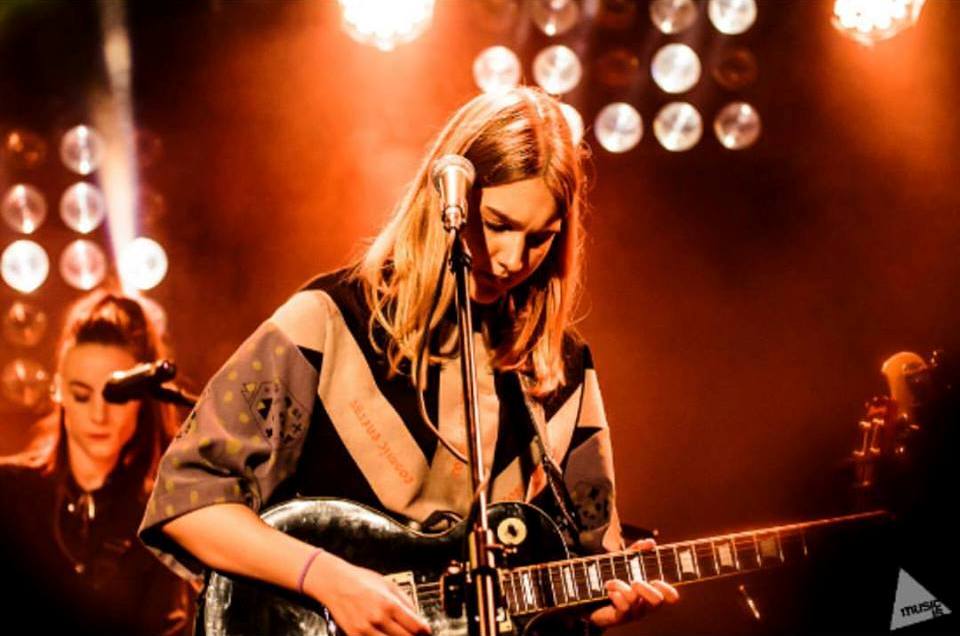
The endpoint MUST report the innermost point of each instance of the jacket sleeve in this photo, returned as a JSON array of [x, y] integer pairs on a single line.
[[588, 470], [246, 433]]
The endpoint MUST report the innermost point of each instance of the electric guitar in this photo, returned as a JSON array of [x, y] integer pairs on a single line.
[[538, 577]]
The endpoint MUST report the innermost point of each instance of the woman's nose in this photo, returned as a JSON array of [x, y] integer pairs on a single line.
[[511, 255], [98, 408]]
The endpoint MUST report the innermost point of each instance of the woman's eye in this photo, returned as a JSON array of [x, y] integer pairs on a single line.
[[536, 240], [81, 397], [495, 227]]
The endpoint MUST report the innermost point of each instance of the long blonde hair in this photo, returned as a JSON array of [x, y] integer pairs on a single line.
[[510, 136]]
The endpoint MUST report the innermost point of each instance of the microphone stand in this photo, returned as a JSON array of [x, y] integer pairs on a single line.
[[173, 394], [481, 573]]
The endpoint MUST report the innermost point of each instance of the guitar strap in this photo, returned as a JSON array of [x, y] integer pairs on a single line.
[[563, 503]]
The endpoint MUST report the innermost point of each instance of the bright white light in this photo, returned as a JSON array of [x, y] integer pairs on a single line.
[[496, 69], [678, 126], [870, 21], [618, 127], [732, 16], [24, 208], [554, 17], [142, 264], [675, 68], [557, 69], [737, 125], [82, 207], [81, 149], [83, 264], [386, 23], [574, 121], [24, 266], [673, 16]]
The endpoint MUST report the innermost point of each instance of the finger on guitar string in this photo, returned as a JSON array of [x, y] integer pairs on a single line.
[[670, 593], [621, 595], [643, 545], [650, 593]]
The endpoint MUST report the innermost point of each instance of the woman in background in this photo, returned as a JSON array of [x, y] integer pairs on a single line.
[[73, 499]]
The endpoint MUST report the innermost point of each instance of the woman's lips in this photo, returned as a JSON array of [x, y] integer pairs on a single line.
[[490, 279]]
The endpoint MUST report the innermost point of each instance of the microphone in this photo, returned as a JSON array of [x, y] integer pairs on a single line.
[[139, 382], [452, 176]]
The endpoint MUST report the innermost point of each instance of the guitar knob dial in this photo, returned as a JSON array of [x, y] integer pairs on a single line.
[[512, 531]]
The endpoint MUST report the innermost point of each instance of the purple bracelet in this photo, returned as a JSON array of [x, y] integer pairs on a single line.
[[306, 568]]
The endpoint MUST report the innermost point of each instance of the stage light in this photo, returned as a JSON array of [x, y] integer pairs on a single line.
[[678, 126], [24, 324], [732, 16], [24, 208], [618, 68], [574, 121], [675, 68], [25, 383], [554, 17], [82, 207], [737, 125], [496, 69], [735, 69], [386, 24], [83, 264], [81, 149], [24, 149], [557, 69], [142, 264], [673, 16], [870, 21], [618, 127], [24, 266]]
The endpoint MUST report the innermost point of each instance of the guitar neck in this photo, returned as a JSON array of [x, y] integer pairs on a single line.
[[535, 588]]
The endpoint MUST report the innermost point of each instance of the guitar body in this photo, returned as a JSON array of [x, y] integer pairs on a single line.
[[234, 606]]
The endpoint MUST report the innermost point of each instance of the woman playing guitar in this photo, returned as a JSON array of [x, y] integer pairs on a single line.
[[351, 389]]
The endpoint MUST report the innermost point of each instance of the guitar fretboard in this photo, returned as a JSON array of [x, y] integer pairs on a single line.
[[536, 588]]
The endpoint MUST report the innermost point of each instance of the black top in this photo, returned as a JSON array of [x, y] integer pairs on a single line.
[[71, 558]]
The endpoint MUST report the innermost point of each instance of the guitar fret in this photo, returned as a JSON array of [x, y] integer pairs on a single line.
[[593, 574], [756, 545], [676, 563], [706, 562], [527, 590], [686, 562], [505, 577], [556, 584], [660, 574], [713, 555], [635, 564], [548, 592], [605, 567], [569, 585], [769, 548]]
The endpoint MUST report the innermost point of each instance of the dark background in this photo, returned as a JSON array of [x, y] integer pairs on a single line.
[[739, 304]]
